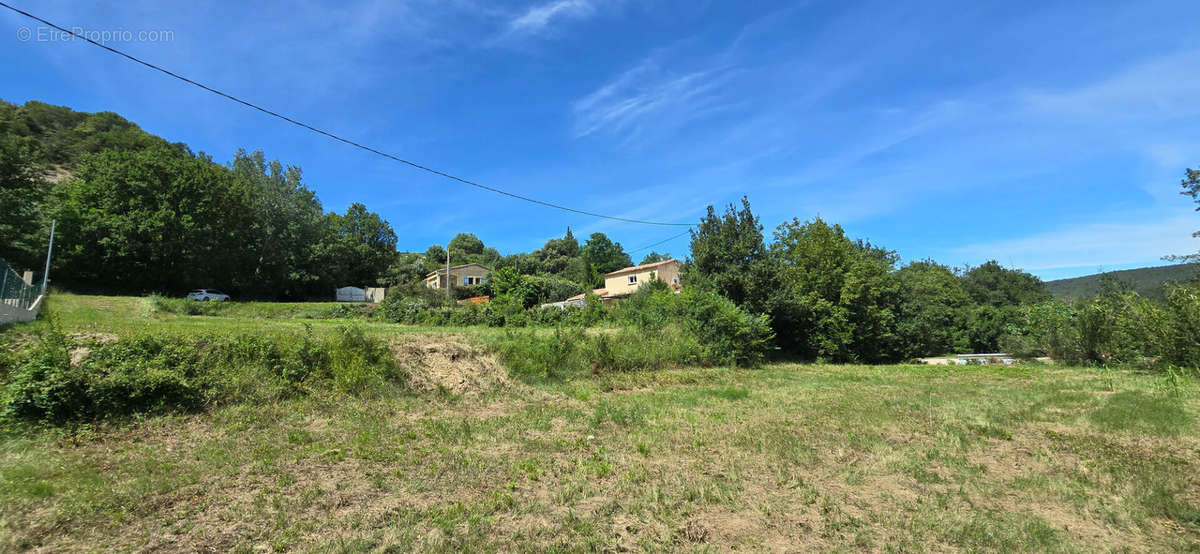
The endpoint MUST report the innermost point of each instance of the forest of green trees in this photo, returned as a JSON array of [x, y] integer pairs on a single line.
[[137, 214]]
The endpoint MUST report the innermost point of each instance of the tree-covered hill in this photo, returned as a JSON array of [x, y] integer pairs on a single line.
[[1149, 282], [57, 136], [137, 213]]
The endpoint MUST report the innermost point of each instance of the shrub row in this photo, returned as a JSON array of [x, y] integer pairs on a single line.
[[154, 374], [1113, 328]]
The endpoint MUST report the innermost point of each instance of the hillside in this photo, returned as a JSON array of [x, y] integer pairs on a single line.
[[1146, 281]]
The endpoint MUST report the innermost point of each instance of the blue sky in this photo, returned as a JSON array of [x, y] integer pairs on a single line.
[[1050, 136]]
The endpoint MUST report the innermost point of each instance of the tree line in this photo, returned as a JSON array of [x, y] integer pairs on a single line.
[[830, 297], [137, 214]]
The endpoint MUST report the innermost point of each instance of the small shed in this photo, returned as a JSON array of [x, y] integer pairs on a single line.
[[375, 295], [350, 294]]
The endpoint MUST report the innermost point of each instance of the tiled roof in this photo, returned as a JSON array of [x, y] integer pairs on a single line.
[[442, 270], [642, 267]]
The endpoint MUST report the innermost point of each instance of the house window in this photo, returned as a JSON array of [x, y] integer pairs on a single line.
[[653, 275], [633, 279], [472, 280]]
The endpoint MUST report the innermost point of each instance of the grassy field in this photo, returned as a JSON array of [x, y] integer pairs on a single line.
[[126, 315], [784, 458]]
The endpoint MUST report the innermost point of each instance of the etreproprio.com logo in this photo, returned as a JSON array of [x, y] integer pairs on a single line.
[[102, 36]]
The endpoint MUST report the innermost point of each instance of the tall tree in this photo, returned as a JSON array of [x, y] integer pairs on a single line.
[[435, 258], [360, 247], [288, 222], [654, 257], [839, 299], [725, 252], [465, 245], [556, 254], [604, 254], [1191, 187], [407, 268], [933, 310]]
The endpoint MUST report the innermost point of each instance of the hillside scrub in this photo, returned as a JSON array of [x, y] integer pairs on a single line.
[[658, 329], [58, 379]]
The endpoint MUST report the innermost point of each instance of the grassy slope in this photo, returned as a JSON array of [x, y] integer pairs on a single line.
[[785, 458], [125, 315], [1147, 281]]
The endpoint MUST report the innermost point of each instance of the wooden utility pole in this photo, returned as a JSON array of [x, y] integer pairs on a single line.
[[447, 271]]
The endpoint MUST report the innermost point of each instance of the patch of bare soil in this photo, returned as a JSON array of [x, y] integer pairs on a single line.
[[450, 363]]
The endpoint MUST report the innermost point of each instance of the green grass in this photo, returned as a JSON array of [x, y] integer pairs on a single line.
[[126, 315], [786, 457], [1141, 412]]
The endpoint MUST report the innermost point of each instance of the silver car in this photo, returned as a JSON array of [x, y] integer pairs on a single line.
[[208, 295]]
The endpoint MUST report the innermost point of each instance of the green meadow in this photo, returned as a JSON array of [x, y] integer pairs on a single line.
[[785, 457]]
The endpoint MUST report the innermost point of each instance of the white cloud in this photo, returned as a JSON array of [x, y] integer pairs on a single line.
[[540, 17], [1162, 88], [1092, 245], [646, 96]]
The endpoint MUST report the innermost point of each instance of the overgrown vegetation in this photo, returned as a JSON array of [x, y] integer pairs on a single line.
[[59, 379], [657, 330]]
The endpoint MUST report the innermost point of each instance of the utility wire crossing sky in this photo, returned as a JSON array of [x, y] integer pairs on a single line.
[[332, 135], [1049, 136]]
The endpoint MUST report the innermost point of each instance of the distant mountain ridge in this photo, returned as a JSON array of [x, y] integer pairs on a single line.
[[1149, 282]]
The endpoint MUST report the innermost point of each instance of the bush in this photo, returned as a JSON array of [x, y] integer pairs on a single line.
[[728, 334], [1044, 329], [1119, 327], [1181, 344], [416, 305], [186, 306], [526, 354], [471, 291], [573, 351], [156, 374]]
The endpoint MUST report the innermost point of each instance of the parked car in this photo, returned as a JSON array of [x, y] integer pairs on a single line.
[[208, 295]]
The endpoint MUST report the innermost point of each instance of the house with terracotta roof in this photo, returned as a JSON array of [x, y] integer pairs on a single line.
[[623, 282]]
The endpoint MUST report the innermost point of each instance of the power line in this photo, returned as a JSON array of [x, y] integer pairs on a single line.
[[337, 137], [659, 242]]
